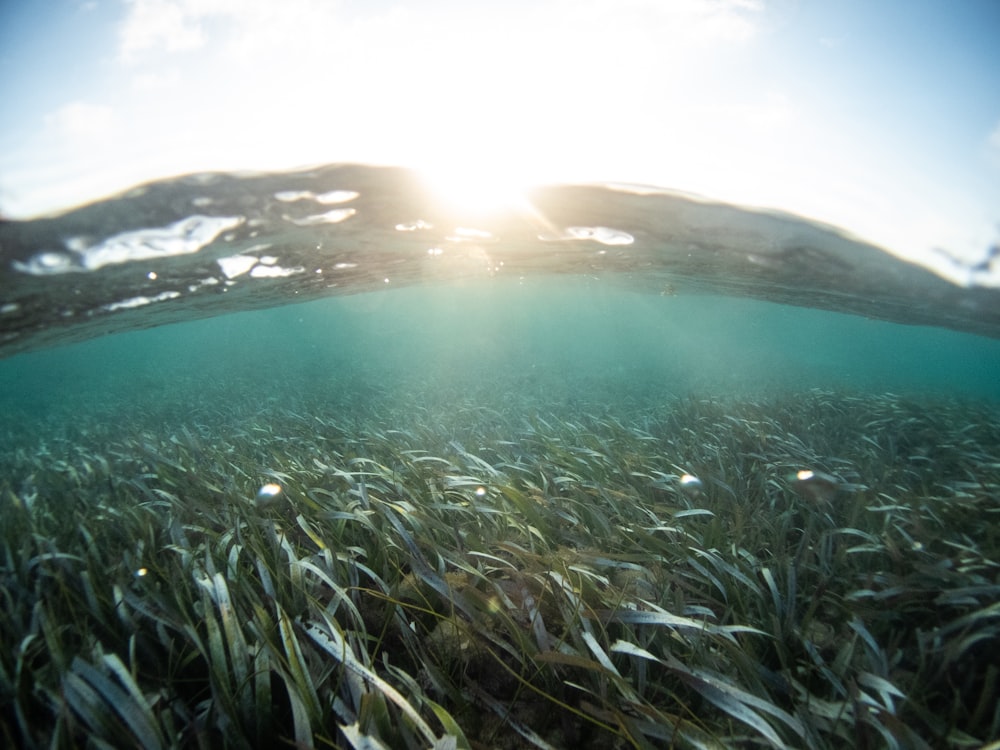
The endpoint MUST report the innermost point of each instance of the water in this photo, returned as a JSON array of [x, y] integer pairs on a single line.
[[211, 244], [594, 357], [504, 342], [589, 292]]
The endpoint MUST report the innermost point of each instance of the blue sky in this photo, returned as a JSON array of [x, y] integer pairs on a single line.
[[880, 116]]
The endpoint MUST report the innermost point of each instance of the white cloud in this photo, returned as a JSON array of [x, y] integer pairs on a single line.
[[729, 20], [152, 26], [684, 23], [81, 120], [303, 27], [157, 80], [993, 145], [764, 115]]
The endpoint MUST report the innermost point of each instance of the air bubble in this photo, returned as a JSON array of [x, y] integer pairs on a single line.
[[268, 493]]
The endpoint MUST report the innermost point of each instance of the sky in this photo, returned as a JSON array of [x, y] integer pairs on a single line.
[[881, 117]]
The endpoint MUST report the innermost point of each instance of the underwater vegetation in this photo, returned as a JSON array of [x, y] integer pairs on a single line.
[[816, 570]]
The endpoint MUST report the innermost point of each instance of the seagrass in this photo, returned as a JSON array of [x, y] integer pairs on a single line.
[[476, 577]]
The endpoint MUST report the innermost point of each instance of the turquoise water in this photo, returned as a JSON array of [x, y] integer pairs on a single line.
[[538, 344]]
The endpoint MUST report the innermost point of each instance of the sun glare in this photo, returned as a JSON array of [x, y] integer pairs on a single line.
[[472, 188]]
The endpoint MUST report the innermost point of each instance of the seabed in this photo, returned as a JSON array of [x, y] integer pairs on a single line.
[[316, 574]]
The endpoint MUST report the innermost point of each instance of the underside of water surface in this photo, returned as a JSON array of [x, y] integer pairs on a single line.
[[210, 244]]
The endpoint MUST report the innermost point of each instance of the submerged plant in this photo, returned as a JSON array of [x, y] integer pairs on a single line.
[[344, 577]]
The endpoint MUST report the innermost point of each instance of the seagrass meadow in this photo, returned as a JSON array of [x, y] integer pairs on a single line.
[[485, 517]]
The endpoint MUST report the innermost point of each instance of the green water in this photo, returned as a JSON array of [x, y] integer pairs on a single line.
[[506, 345]]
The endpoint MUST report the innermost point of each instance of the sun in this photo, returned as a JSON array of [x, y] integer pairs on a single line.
[[478, 187]]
